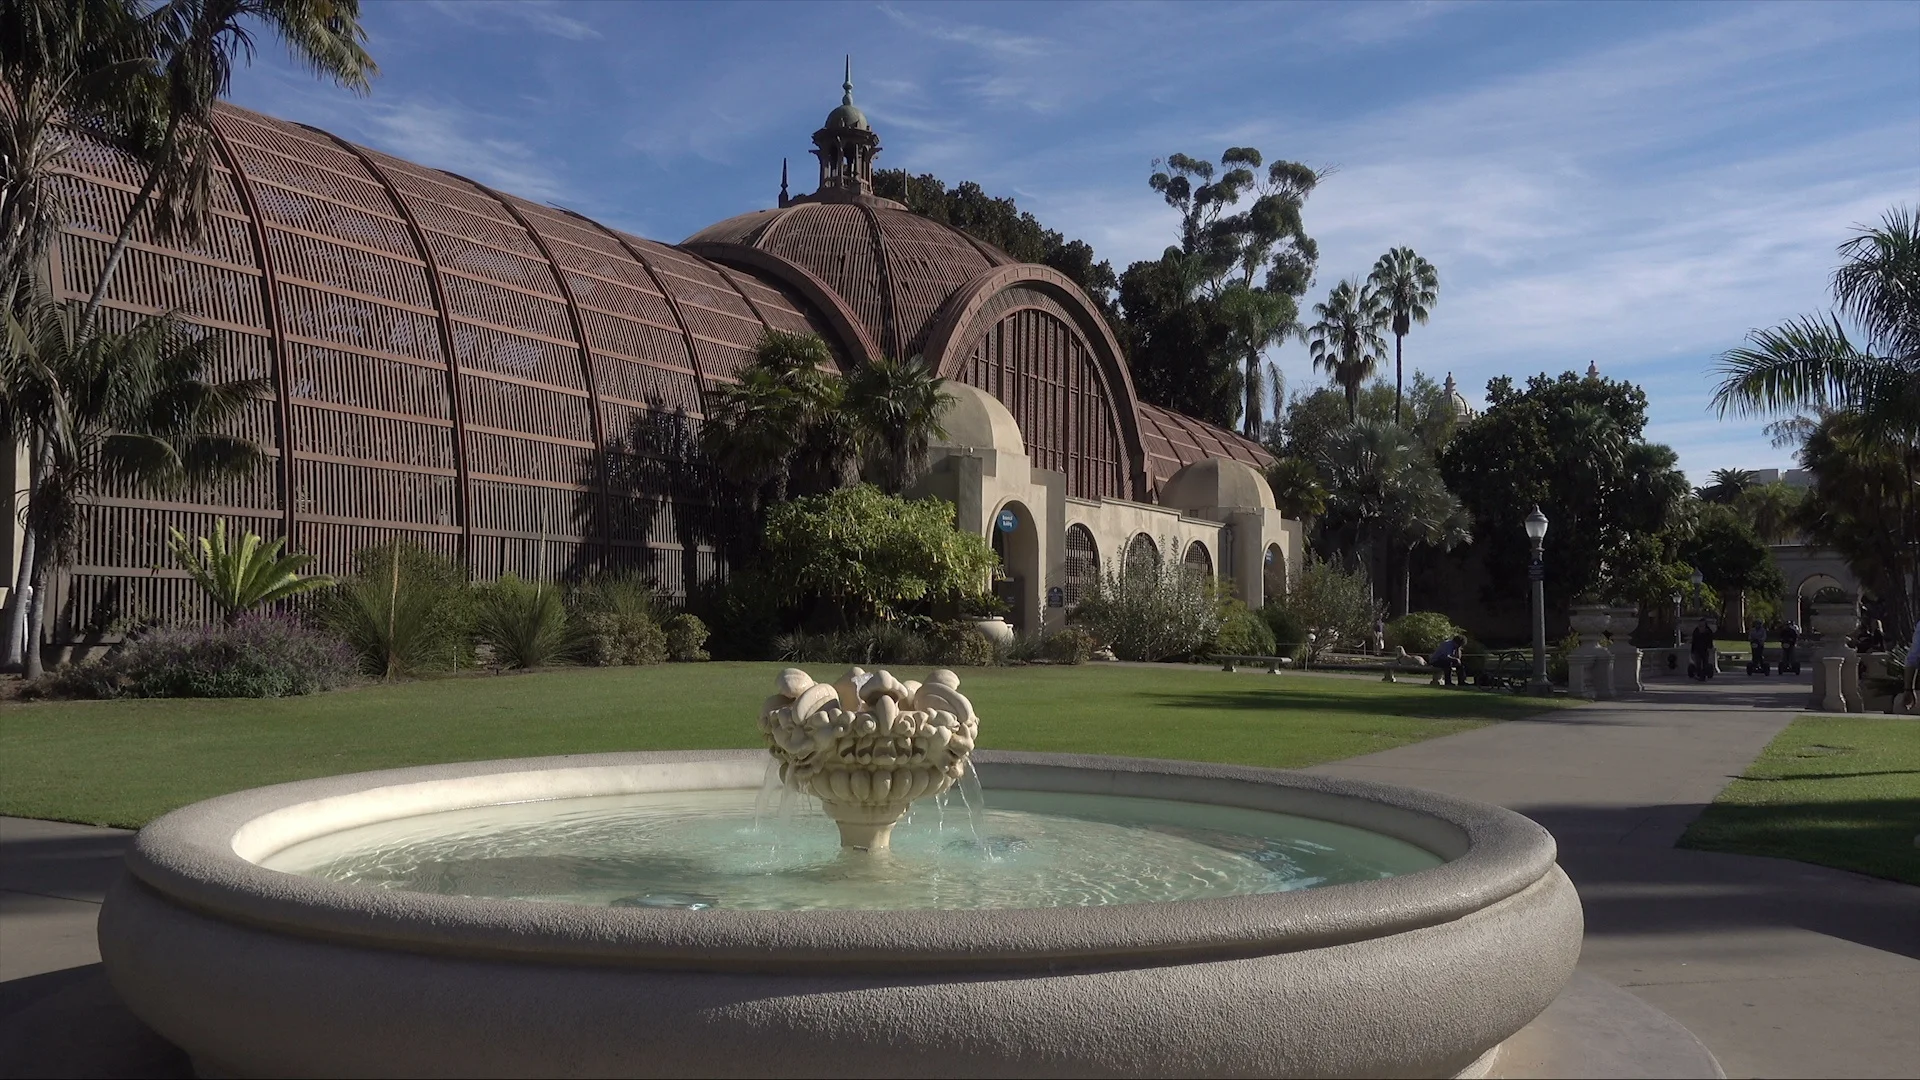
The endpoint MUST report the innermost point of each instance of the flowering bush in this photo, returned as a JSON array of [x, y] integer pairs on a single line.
[[257, 656]]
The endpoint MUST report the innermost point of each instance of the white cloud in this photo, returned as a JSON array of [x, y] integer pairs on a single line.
[[513, 16]]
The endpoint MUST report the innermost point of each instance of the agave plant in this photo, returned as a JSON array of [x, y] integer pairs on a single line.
[[526, 624], [244, 575]]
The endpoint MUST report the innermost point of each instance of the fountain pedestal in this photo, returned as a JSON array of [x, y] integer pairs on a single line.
[[868, 745]]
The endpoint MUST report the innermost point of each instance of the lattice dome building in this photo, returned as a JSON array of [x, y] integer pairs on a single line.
[[517, 386]]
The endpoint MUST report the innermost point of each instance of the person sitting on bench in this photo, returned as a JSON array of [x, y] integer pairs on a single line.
[[1447, 658]]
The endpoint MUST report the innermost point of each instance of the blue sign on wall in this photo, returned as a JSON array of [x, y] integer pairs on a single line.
[[1008, 521]]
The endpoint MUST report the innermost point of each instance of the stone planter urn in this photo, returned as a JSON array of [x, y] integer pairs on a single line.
[[1626, 658], [1590, 667], [997, 629], [1833, 664]]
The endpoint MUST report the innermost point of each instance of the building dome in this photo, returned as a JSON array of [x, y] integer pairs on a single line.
[[893, 267], [1461, 410]]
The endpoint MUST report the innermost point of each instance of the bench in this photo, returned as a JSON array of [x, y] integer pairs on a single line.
[[1508, 669], [1273, 664]]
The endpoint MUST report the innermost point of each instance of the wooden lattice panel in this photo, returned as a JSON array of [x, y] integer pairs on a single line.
[[1039, 366]]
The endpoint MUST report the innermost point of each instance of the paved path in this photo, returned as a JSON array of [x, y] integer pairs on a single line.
[[1781, 968]]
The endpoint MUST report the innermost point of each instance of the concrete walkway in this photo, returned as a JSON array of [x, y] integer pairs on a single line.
[[1780, 968]]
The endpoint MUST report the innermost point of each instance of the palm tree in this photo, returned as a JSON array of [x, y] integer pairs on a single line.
[[194, 44], [1385, 497], [1346, 341], [1256, 318], [102, 409], [895, 406], [1771, 509], [1810, 364], [65, 68], [1866, 395], [1408, 287], [1728, 485], [758, 426]]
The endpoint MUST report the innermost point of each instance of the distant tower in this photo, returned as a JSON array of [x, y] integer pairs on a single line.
[[1461, 410], [846, 147], [1593, 369]]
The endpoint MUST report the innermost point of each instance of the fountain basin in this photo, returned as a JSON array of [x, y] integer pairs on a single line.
[[257, 972]]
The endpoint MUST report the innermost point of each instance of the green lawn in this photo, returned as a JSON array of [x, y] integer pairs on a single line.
[[1838, 791], [126, 762]]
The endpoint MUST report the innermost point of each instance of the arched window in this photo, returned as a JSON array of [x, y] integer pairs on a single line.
[[1198, 561], [1142, 554], [1083, 565], [1273, 575]]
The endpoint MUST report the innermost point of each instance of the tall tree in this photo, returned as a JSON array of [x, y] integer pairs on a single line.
[[1385, 497], [1345, 340], [195, 44], [129, 411], [1408, 287], [1199, 318], [782, 403], [1575, 447]]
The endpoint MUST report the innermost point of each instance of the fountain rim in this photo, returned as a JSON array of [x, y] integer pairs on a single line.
[[189, 856]]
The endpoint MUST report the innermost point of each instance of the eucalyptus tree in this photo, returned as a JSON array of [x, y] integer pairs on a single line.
[[114, 410], [1408, 287], [194, 45], [1345, 339]]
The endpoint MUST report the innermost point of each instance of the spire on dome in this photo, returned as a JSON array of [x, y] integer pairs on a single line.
[[784, 200], [1593, 369], [846, 146]]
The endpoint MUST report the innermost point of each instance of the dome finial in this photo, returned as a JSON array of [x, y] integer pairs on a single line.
[[846, 96]]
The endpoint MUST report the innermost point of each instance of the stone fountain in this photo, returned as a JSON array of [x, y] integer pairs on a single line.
[[868, 745], [257, 963]]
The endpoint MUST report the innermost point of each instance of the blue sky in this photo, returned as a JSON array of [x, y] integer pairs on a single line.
[[1632, 184]]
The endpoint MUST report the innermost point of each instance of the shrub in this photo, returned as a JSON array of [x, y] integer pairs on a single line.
[[1074, 645], [617, 618], [1334, 605], [525, 624], [256, 656], [685, 636], [1152, 610], [245, 574], [961, 644], [1289, 630], [405, 610], [1243, 632], [881, 643], [1420, 632], [744, 618], [867, 555]]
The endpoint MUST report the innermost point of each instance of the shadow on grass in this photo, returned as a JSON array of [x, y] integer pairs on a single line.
[[1825, 776]]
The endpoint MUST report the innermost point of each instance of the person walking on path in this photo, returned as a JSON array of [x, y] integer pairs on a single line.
[[1757, 638], [1447, 658], [1379, 637], [1702, 646]]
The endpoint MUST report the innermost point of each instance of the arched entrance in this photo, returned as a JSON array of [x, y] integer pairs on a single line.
[[1197, 561], [1273, 574], [1083, 565], [1016, 539], [1811, 586], [1143, 555]]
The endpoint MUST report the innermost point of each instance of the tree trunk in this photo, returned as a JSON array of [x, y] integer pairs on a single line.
[[16, 614], [1406, 582], [36, 619], [1399, 376], [1251, 422], [120, 246]]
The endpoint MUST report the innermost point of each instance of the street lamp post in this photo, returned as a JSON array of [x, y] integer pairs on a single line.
[[1676, 619], [1537, 571]]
